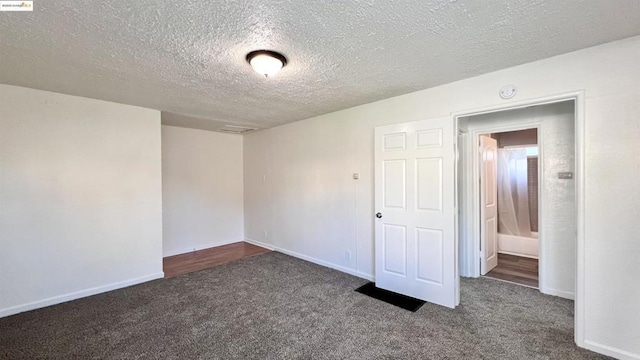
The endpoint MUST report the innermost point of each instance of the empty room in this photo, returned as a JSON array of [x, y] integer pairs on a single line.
[[448, 179]]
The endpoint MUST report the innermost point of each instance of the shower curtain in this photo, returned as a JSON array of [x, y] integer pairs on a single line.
[[513, 198]]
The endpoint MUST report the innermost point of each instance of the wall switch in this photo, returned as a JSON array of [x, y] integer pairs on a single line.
[[356, 176], [266, 235], [264, 177], [347, 255]]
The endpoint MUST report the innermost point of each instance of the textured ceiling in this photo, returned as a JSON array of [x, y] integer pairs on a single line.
[[186, 57]]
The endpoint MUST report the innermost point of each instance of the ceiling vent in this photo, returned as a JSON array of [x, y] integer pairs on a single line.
[[235, 129]]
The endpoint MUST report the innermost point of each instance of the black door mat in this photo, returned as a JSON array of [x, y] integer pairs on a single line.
[[399, 300]]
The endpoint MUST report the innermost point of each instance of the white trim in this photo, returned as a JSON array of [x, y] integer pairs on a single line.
[[519, 146], [579, 120], [513, 105], [509, 282], [259, 243], [610, 351], [77, 295], [517, 254], [474, 212], [560, 293], [313, 260], [456, 211], [579, 310], [192, 249]]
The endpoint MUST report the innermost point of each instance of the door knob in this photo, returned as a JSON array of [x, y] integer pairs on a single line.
[[379, 215]]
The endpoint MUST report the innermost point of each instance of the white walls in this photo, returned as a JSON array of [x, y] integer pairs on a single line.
[[558, 217], [202, 187], [309, 205], [80, 197]]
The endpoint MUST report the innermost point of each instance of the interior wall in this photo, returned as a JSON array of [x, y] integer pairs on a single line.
[[299, 187], [517, 138], [558, 218], [202, 189], [80, 197]]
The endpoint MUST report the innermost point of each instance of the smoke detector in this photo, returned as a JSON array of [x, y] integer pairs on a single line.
[[508, 91]]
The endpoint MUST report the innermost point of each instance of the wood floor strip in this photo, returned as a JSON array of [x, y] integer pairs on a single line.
[[206, 258], [516, 269]]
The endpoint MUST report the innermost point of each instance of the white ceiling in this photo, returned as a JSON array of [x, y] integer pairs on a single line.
[[187, 58]]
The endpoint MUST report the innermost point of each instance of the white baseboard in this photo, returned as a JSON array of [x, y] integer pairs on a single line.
[[189, 249], [313, 260], [259, 243], [560, 293], [77, 295], [517, 254], [610, 351]]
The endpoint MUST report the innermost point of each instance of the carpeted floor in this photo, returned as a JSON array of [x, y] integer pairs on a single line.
[[273, 306]]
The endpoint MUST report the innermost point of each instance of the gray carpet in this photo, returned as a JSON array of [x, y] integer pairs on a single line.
[[274, 306]]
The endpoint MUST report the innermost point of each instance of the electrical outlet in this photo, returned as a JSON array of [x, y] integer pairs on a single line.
[[266, 234], [347, 255]]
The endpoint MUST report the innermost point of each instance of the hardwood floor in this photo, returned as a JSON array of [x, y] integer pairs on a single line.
[[516, 269], [202, 259]]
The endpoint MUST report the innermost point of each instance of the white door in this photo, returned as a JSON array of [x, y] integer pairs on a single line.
[[415, 210], [488, 204]]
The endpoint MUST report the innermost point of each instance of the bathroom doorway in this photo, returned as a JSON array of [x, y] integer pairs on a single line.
[[518, 196], [509, 206]]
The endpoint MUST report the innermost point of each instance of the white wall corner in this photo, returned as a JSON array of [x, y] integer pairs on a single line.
[[259, 243]]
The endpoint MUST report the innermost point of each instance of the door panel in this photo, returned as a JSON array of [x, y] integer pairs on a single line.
[[429, 138], [429, 252], [429, 184], [395, 249], [488, 204], [395, 141], [414, 194], [394, 179]]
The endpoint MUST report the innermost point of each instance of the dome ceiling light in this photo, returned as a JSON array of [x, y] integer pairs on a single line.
[[266, 62]]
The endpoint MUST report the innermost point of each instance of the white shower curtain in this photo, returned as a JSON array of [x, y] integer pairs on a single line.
[[513, 198]]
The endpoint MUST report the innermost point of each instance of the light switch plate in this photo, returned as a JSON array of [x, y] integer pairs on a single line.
[[565, 175]]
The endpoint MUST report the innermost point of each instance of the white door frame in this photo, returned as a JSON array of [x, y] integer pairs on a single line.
[[468, 259], [473, 192]]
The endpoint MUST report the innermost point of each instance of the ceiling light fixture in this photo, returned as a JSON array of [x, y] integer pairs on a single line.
[[266, 62]]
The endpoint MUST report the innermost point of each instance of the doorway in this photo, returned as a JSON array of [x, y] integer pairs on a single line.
[[465, 215], [509, 206], [496, 221]]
